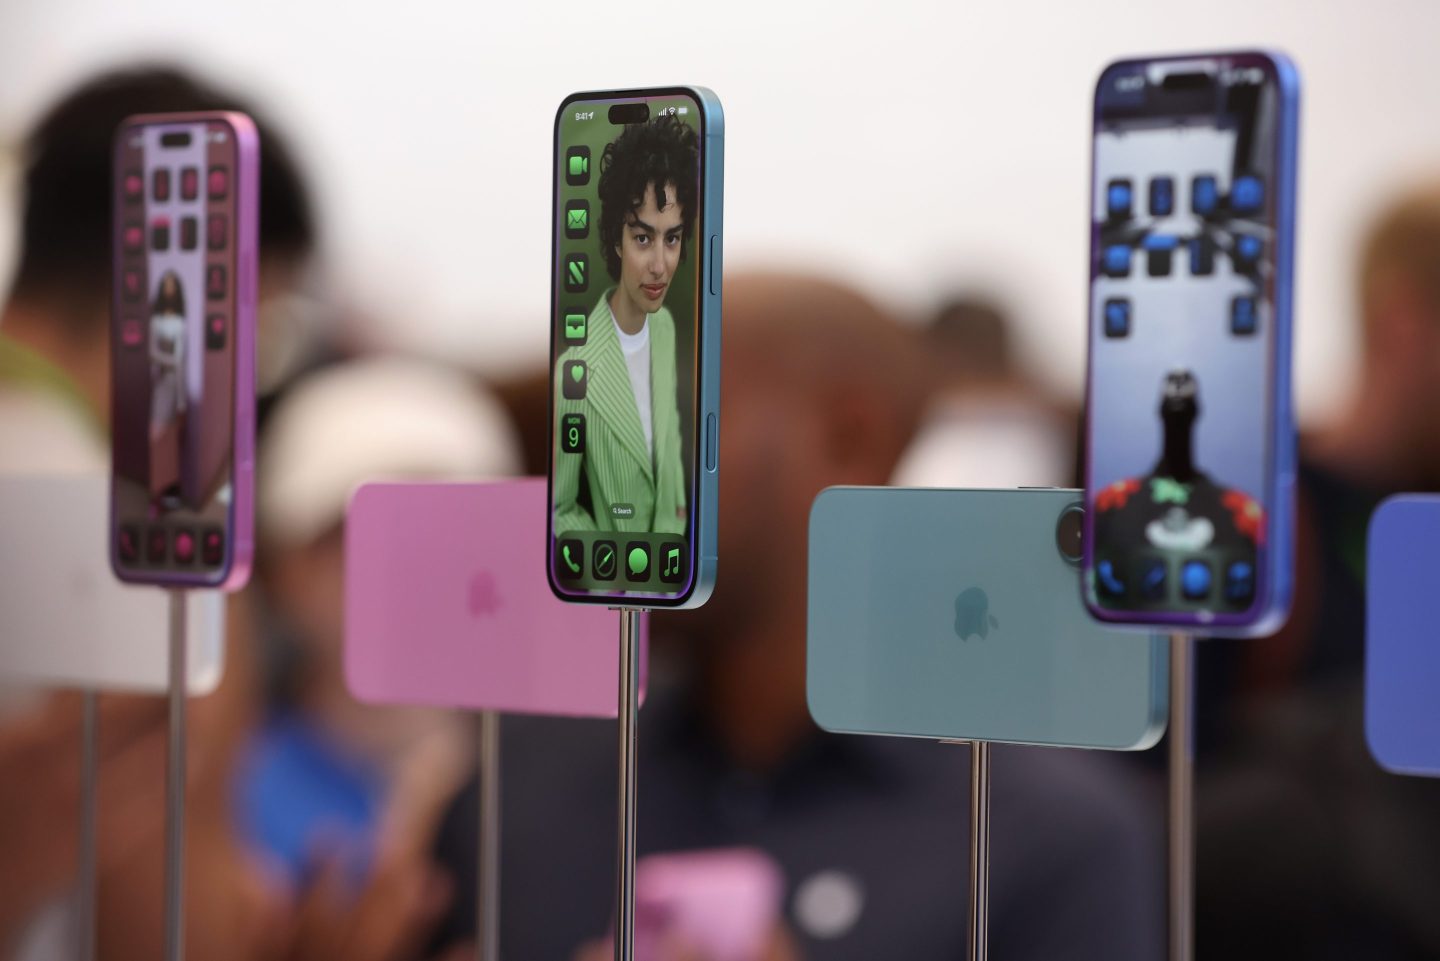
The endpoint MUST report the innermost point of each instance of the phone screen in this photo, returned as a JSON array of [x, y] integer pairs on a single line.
[[1183, 334], [626, 315], [174, 348]]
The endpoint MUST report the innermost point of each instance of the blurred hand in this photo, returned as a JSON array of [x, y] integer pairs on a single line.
[[393, 917], [40, 755]]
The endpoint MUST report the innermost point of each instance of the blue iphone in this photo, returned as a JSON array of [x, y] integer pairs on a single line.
[[955, 614], [635, 347], [1189, 428], [1402, 639]]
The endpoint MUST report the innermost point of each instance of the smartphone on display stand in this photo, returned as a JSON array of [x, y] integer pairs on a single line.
[[445, 605], [186, 195], [635, 347], [1190, 432], [956, 615]]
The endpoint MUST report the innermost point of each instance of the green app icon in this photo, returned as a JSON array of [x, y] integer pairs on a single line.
[[577, 273], [572, 433], [637, 559], [572, 380], [575, 328], [605, 558], [577, 166], [577, 219]]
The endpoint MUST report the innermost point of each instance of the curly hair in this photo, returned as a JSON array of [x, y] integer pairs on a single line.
[[662, 151]]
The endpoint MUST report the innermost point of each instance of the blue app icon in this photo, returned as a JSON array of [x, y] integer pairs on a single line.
[[1162, 196], [1119, 199], [1152, 580], [1247, 194], [1202, 257], [1110, 585], [1117, 317], [1204, 195], [1240, 582], [1116, 262], [1243, 317], [1248, 249], [1195, 580]]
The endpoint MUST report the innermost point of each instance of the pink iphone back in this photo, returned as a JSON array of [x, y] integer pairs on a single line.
[[447, 605]]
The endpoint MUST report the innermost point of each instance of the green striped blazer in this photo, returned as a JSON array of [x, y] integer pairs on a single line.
[[615, 467]]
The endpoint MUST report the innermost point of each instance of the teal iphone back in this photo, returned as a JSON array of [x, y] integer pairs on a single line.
[[957, 614]]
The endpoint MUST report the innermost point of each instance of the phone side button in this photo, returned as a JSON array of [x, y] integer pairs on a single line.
[[711, 443], [714, 265]]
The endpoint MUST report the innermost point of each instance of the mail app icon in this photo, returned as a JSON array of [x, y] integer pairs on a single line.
[[577, 219]]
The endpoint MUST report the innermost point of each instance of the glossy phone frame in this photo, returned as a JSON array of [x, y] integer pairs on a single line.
[[709, 244], [234, 570], [1274, 583], [1038, 712]]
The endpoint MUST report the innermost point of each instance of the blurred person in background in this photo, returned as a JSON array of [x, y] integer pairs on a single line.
[[989, 423], [332, 795], [54, 416], [1306, 848], [871, 833]]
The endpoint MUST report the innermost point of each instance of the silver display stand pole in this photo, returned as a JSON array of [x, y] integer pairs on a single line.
[[629, 708], [1182, 797], [88, 880], [979, 941], [487, 870], [175, 785]]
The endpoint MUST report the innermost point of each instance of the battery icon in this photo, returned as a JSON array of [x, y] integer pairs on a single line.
[[682, 110]]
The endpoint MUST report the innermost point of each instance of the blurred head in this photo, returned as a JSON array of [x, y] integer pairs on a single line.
[[378, 419], [1400, 306], [820, 388], [970, 337], [64, 263]]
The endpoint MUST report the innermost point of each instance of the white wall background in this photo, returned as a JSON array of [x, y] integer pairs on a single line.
[[427, 130]]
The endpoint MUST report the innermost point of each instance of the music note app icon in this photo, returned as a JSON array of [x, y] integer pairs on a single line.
[[672, 562]]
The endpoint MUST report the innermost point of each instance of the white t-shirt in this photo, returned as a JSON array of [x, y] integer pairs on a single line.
[[636, 348]]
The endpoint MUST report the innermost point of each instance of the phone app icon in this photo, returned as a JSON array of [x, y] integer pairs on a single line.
[[577, 273], [637, 561], [672, 562], [577, 166], [570, 558], [576, 327], [572, 433], [573, 375], [577, 219], [604, 560]]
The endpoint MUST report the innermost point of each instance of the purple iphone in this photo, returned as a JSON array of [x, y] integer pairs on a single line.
[[1189, 490], [186, 192], [446, 605]]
